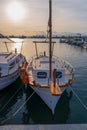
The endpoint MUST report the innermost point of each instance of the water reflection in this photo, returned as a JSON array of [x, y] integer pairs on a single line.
[[8, 100], [38, 113], [68, 110]]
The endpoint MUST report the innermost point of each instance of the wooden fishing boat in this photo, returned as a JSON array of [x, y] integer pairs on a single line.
[[46, 74]]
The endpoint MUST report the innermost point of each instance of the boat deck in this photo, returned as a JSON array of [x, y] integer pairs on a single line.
[[5, 57], [41, 64]]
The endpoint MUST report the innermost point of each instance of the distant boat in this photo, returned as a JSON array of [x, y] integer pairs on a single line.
[[47, 75], [85, 45], [76, 41], [10, 64], [63, 40]]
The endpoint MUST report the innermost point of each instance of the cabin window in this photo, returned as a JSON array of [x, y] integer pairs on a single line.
[[41, 75], [58, 74], [12, 65]]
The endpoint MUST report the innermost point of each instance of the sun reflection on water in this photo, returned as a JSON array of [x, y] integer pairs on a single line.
[[17, 45]]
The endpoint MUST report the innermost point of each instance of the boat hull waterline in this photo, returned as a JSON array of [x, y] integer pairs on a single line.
[[7, 80], [50, 100]]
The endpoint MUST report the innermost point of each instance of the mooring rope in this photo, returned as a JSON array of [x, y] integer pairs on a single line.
[[9, 118], [23, 104], [81, 102], [9, 100], [80, 89]]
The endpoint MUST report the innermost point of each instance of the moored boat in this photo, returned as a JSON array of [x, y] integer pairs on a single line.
[[49, 89], [48, 75], [10, 64], [85, 45]]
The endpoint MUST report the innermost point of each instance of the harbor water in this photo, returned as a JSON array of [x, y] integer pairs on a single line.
[[71, 109]]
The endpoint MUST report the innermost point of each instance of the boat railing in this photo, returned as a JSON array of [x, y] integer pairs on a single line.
[[34, 57], [66, 64]]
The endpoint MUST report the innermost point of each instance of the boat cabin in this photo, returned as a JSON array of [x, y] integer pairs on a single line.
[[9, 63], [41, 70]]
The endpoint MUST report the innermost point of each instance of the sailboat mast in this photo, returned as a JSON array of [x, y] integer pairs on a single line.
[[50, 37]]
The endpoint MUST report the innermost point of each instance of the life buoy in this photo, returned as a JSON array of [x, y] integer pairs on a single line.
[[24, 75]]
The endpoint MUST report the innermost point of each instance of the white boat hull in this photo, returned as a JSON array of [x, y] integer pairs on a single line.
[[7, 80], [49, 99], [38, 73]]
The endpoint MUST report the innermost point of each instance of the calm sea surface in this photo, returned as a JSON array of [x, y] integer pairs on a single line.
[[68, 110]]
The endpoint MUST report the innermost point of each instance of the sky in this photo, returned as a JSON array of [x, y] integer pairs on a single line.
[[28, 17]]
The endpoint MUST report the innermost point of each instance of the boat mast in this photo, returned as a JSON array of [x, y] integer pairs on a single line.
[[7, 42], [50, 37]]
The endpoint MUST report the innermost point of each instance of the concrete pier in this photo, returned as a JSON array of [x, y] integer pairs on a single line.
[[45, 127]]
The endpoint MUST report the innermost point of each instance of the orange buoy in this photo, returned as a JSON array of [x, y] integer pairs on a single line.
[[24, 75]]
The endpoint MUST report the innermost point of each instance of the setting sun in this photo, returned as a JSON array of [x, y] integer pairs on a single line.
[[15, 11]]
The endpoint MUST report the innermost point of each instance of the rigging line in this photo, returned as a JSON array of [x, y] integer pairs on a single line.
[[81, 102], [9, 118], [9, 100], [23, 105], [80, 89], [47, 32]]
